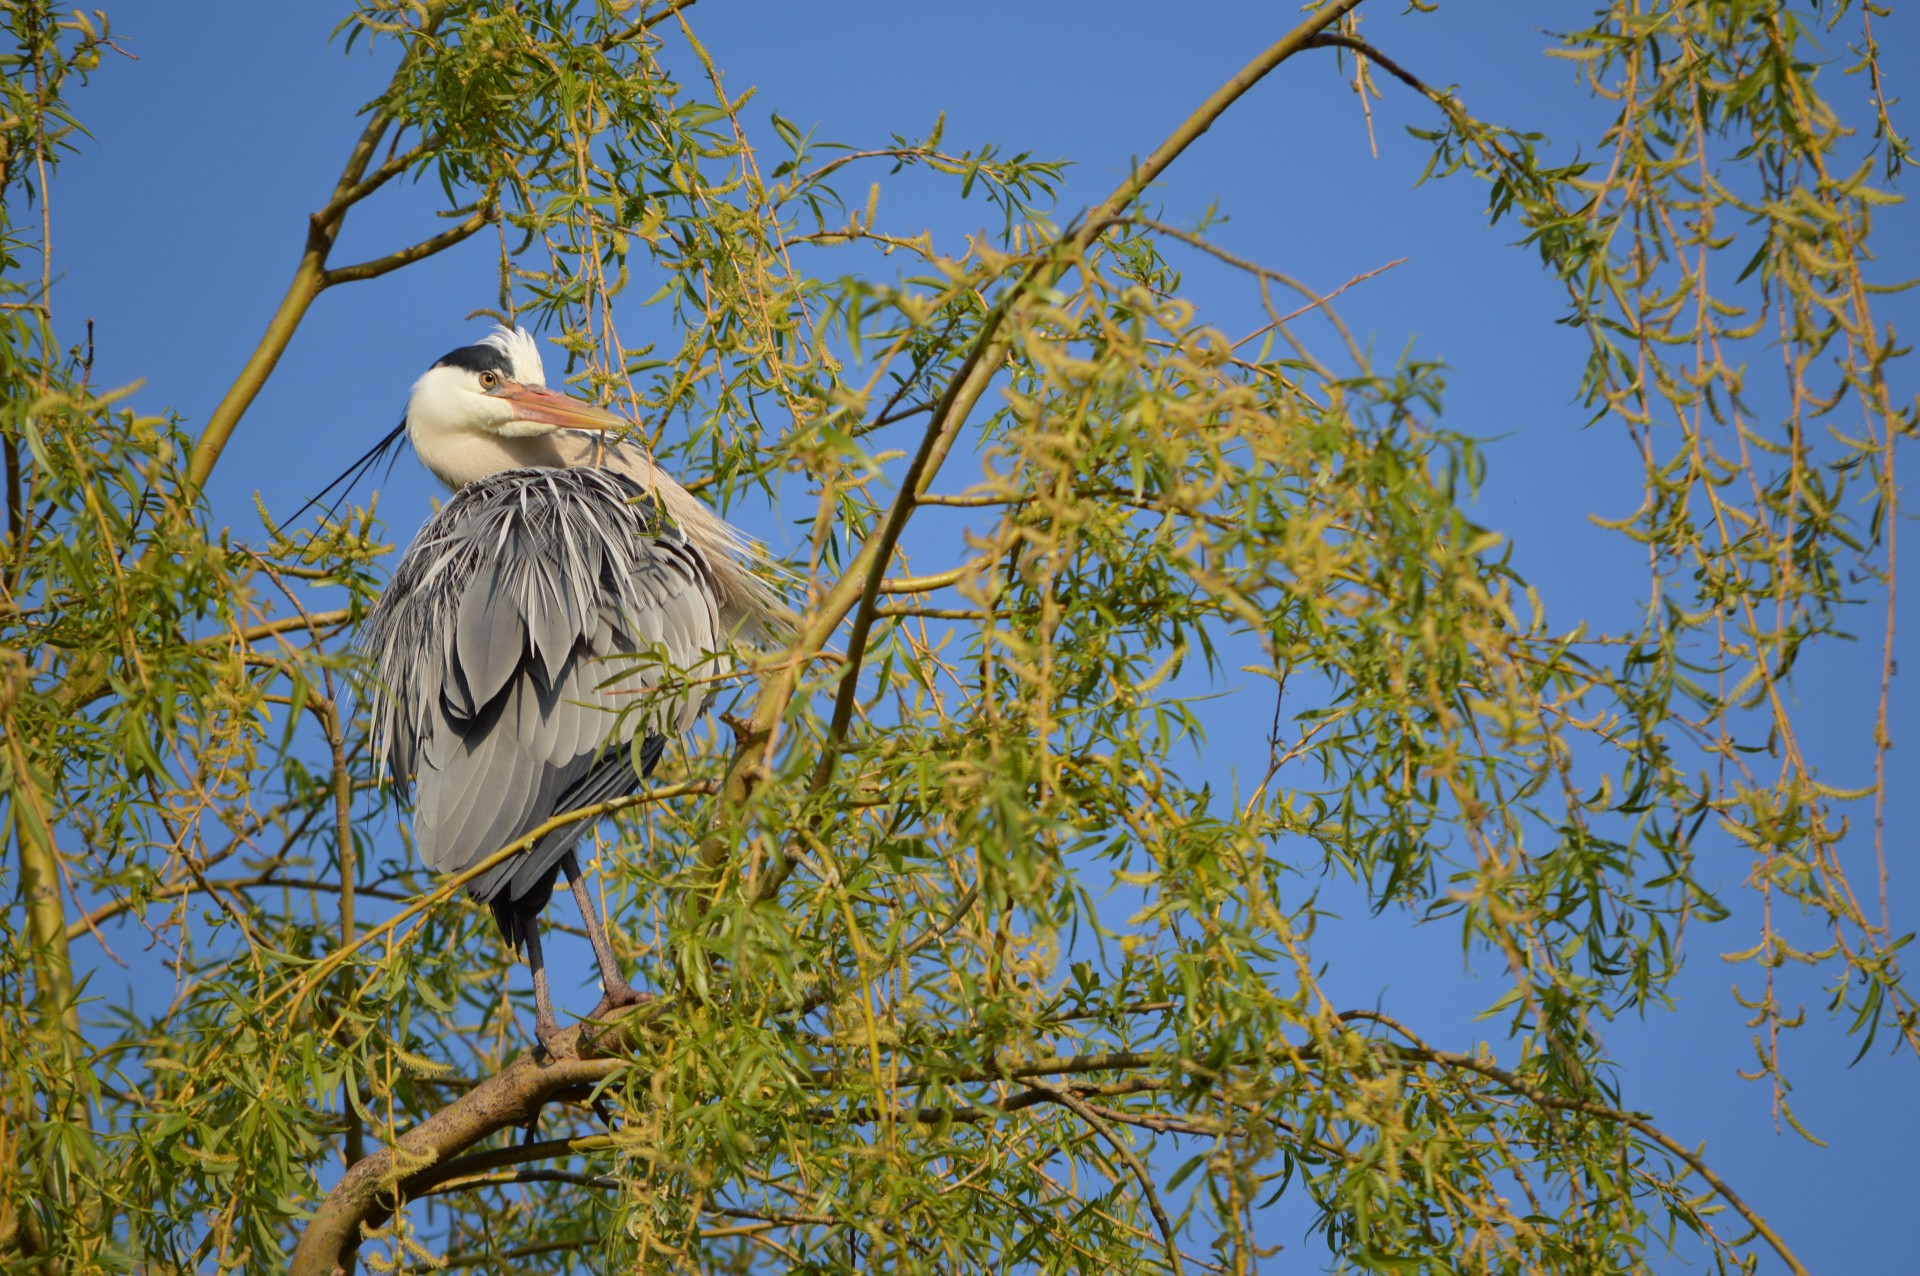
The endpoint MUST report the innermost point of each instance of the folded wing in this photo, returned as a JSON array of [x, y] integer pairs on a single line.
[[542, 623]]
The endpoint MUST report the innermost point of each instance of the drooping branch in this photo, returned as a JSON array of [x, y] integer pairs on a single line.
[[450, 886], [1076, 1105], [1636, 1121], [983, 361], [861, 585], [591, 1054]]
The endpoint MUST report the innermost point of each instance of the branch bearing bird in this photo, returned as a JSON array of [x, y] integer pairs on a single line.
[[562, 614]]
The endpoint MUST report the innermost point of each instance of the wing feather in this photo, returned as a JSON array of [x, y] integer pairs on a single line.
[[523, 642]]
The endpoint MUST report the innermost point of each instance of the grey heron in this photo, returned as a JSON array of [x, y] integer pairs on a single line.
[[529, 651]]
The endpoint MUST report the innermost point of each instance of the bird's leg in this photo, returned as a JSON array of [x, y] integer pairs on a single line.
[[545, 1027], [615, 990]]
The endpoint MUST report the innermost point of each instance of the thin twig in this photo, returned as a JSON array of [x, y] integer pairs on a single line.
[[1068, 1099], [378, 266]]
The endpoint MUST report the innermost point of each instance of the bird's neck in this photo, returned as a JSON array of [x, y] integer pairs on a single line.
[[474, 455]]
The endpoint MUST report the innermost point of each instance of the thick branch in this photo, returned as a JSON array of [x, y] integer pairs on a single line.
[[511, 1099], [370, 1191], [310, 278], [308, 281]]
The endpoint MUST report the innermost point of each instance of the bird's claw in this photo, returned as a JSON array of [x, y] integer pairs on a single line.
[[546, 1037], [616, 998]]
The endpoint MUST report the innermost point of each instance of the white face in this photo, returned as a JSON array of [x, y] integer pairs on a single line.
[[483, 408], [450, 401]]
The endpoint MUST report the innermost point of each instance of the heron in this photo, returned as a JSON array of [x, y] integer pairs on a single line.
[[563, 613]]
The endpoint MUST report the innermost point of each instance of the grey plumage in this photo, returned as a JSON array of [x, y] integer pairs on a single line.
[[535, 627]]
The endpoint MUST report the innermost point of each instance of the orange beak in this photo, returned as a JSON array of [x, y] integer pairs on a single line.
[[547, 407]]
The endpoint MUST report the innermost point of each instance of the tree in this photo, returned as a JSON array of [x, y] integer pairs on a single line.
[[962, 967]]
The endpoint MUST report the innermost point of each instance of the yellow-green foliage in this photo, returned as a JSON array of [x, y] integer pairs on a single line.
[[903, 1025]]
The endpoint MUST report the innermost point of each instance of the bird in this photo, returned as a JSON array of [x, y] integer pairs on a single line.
[[568, 609]]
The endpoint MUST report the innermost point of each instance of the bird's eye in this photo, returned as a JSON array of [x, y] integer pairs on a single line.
[[488, 380]]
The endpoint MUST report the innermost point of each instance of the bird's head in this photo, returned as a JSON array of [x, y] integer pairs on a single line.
[[485, 408]]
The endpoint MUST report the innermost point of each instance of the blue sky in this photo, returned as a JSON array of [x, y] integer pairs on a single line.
[[179, 222]]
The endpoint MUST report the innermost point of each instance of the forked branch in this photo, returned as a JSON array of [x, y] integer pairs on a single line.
[[860, 587], [372, 1187], [311, 276]]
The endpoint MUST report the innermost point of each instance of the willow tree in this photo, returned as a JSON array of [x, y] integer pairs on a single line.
[[961, 967]]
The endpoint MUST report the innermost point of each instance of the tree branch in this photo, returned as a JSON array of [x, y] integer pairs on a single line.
[[1066, 1098], [983, 361], [310, 278], [510, 1099], [858, 589], [347, 196], [481, 216], [453, 882], [1636, 1121], [1333, 40]]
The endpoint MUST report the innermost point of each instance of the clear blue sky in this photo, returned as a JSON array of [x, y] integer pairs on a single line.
[[178, 224]]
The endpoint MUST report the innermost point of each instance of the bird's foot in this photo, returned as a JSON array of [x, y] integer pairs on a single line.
[[616, 997], [546, 1033]]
